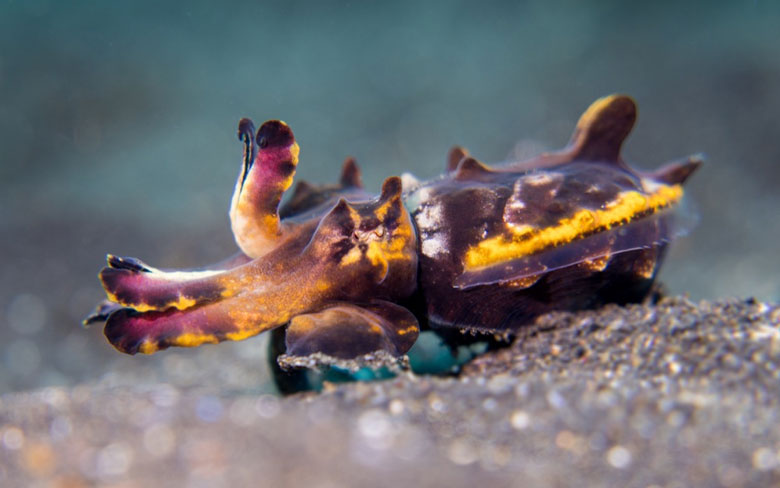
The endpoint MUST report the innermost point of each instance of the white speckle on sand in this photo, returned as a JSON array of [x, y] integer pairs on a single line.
[[520, 419], [619, 457]]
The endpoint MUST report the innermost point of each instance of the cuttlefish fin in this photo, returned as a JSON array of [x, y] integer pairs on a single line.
[[350, 174], [677, 172], [346, 330], [471, 169], [601, 130], [454, 157]]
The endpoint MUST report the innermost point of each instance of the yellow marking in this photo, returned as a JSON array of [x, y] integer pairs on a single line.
[[381, 212], [241, 335], [193, 340], [352, 257], [148, 347], [295, 150], [227, 292], [113, 298], [626, 207], [184, 340], [412, 329], [597, 264], [252, 323], [271, 223], [524, 282], [381, 253], [645, 267], [378, 257], [140, 307], [182, 303]]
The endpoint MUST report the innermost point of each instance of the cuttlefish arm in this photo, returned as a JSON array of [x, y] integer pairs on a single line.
[[267, 171], [159, 309], [355, 250], [106, 307]]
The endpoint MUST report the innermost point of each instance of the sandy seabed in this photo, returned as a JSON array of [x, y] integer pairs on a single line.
[[676, 394]]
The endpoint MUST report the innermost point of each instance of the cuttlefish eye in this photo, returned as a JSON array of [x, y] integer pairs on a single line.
[[274, 133]]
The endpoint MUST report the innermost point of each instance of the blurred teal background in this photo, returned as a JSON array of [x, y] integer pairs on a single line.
[[118, 121]]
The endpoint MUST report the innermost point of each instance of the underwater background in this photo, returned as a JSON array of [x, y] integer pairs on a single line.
[[118, 134]]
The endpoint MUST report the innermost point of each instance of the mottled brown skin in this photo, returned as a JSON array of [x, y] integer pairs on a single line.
[[482, 211], [485, 249], [586, 272]]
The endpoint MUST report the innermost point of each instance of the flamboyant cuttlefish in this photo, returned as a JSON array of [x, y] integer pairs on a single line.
[[481, 248]]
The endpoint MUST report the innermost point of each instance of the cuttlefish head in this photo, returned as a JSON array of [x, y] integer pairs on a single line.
[[371, 245], [267, 171]]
